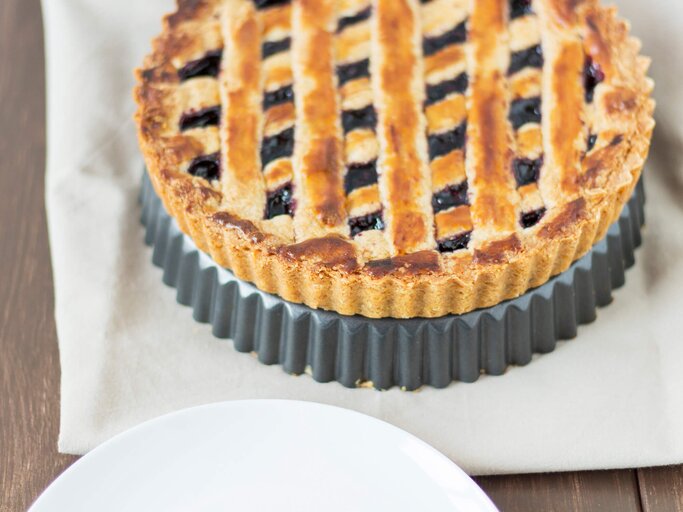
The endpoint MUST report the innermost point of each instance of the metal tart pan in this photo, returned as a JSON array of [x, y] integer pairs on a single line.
[[360, 351]]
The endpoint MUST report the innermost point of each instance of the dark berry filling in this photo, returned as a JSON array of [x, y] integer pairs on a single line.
[[528, 219], [206, 166], [443, 143], [360, 175], [458, 34], [280, 202], [454, 243], [208, 65], [519, 8], [201, 118], [526, 170], [452, 195], [264, 4], [272, 47], [347, 21], [528, 58], [438, 92], [348, 72], [525, 110], [592, 139], [361, 118], [277, 146], [592, 76], [282, 95], [365, 222]]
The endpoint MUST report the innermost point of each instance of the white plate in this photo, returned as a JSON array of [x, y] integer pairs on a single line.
[[264, 455]]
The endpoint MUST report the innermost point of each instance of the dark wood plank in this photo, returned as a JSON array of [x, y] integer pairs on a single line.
[[29, 368], [661, 489], [603, 491]]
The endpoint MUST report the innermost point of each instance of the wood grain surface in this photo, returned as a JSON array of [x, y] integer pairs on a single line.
[[29, 360]]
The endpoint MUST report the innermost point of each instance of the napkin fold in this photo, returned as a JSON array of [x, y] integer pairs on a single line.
[[610, 398]]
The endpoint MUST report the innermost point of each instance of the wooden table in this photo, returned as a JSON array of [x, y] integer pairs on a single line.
[[29, 363]]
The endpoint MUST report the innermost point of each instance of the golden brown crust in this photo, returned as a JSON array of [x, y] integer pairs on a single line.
[[488, 154], [402, 183], [339, 273], [330, 251], [498, 251], [242, 185], [422, 262], [318, 152]]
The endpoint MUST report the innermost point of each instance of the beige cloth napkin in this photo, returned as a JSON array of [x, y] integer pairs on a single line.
[[612, 397]]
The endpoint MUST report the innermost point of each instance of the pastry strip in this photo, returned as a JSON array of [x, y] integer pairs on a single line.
[[492, 188], [563, 105], [398, 81], [241, 96], [318, 151]]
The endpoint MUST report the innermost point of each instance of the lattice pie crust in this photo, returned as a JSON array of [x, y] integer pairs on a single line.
[[394, 158]]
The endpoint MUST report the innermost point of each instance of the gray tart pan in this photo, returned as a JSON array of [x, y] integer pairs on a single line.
[[359, 351]]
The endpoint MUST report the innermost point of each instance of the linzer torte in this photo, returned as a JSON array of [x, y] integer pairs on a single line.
[[394, 158]]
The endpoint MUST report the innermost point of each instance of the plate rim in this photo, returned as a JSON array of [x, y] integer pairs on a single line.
[[41, 501]]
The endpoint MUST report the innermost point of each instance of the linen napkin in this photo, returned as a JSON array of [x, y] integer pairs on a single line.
[[609, 398]]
